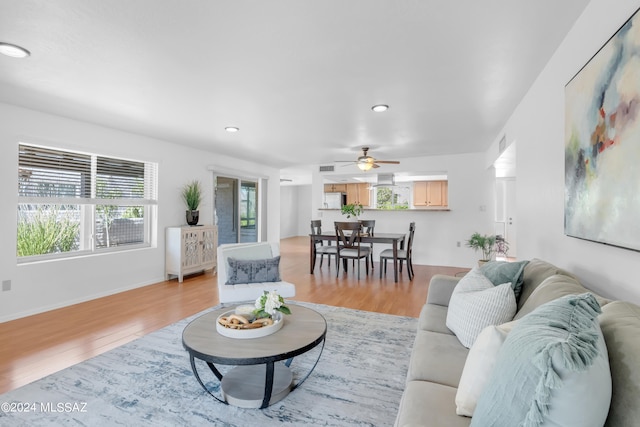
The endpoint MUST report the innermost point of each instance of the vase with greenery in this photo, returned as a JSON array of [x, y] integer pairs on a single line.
[[484, 243], [352, 210], [267, 304], [192, 196]]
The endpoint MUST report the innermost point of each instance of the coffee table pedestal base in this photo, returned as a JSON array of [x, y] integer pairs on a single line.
[[243, 386]]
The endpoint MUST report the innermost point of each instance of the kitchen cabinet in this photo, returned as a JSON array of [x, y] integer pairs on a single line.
[[358, 193], [431, 193], [335, 188], [190, 249]]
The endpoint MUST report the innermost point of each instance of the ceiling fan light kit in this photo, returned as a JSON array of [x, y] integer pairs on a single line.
[[366, 162], [364, 166]]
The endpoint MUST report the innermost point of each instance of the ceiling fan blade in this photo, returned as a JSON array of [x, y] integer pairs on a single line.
[[373, 165], [389, 162]]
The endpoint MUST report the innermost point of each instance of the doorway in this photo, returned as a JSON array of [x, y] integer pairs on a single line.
[[506, 185], [506, 213], [236, 209]]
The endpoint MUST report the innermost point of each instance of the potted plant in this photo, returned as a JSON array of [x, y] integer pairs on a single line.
[[192, 196], [483, 243], [351, 210], [502, 246]]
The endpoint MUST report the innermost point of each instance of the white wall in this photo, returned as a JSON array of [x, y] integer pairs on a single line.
[[537, 125], [304, 212], [288, 211], [295, 210], [471, 188], [42, 286]]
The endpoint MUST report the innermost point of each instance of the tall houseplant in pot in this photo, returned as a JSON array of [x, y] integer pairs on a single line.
[[192, 196], [483, 243]]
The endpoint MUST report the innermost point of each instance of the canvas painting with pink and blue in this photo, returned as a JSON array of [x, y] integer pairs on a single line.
[[602, 143]]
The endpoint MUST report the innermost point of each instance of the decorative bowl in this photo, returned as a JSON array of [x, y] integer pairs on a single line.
[[278, 322]]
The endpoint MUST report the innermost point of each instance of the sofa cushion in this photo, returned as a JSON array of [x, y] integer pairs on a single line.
[[620, 323], [433, 318], [253, 270], [535, 272], [479, 365], [437, 358], [553, 287], [429, 404], [500, 272], [476, 303], [553, 358]]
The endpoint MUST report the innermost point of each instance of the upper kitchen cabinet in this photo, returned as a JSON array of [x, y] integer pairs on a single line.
[[431, 193], [358, 193], [335, 188]]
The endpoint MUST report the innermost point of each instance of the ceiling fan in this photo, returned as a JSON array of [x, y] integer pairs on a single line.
[[366, 162]]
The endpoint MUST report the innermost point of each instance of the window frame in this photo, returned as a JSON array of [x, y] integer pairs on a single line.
[[394, 206], [124, 177]]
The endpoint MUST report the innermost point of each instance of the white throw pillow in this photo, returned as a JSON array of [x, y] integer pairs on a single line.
[[477, 369], [476, 304]]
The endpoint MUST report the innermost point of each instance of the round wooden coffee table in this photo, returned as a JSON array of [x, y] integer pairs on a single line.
[[256, 381]]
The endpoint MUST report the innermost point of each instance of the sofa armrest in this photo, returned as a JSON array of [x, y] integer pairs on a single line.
[[441, 288]]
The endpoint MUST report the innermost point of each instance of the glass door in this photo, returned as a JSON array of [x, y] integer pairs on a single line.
[[236, 209], [248, 211]]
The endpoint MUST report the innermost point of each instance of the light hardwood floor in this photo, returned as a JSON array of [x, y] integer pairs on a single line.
[[39, 345]]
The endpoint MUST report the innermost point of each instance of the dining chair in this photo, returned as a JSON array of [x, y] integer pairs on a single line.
[[368, 226], [348, 235], [321, 249], [403, 255]]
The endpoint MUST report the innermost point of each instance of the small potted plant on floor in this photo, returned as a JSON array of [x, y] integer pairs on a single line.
[[502, 246], [192, 196], [484, 243]]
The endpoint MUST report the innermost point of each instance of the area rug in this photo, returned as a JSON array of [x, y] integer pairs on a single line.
[[358, 382]]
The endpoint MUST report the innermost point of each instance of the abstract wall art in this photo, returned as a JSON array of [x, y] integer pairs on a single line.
[[602, 143]]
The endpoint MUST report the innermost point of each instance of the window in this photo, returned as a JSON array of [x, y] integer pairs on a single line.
[[71, 203], [392, 197]]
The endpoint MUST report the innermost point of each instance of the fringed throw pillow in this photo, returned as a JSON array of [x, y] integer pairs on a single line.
[[552, 370]]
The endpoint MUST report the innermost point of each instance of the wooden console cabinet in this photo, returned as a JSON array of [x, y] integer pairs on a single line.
[[189, 249]]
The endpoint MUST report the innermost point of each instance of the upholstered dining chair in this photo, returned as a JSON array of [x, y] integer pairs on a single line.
[[368, 226], [321, 249], [403, 254], [349, 238]]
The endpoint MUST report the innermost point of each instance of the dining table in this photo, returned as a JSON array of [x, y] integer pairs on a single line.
[[396, 240]]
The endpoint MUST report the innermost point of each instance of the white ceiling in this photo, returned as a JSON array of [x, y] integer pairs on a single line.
[[297, 77]]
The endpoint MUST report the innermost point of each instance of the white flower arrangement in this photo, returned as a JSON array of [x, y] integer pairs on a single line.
[[269, 303]]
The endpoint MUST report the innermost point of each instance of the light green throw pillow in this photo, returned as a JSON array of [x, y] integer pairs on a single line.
[[552, 370], [502, 272]]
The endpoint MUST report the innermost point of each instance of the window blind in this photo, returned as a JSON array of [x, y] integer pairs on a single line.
[[52, 173], [46, 172], [119, 179]]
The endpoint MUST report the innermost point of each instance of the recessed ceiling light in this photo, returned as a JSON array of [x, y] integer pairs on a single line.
[[231, 129], [13, 51], [380, 108]]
